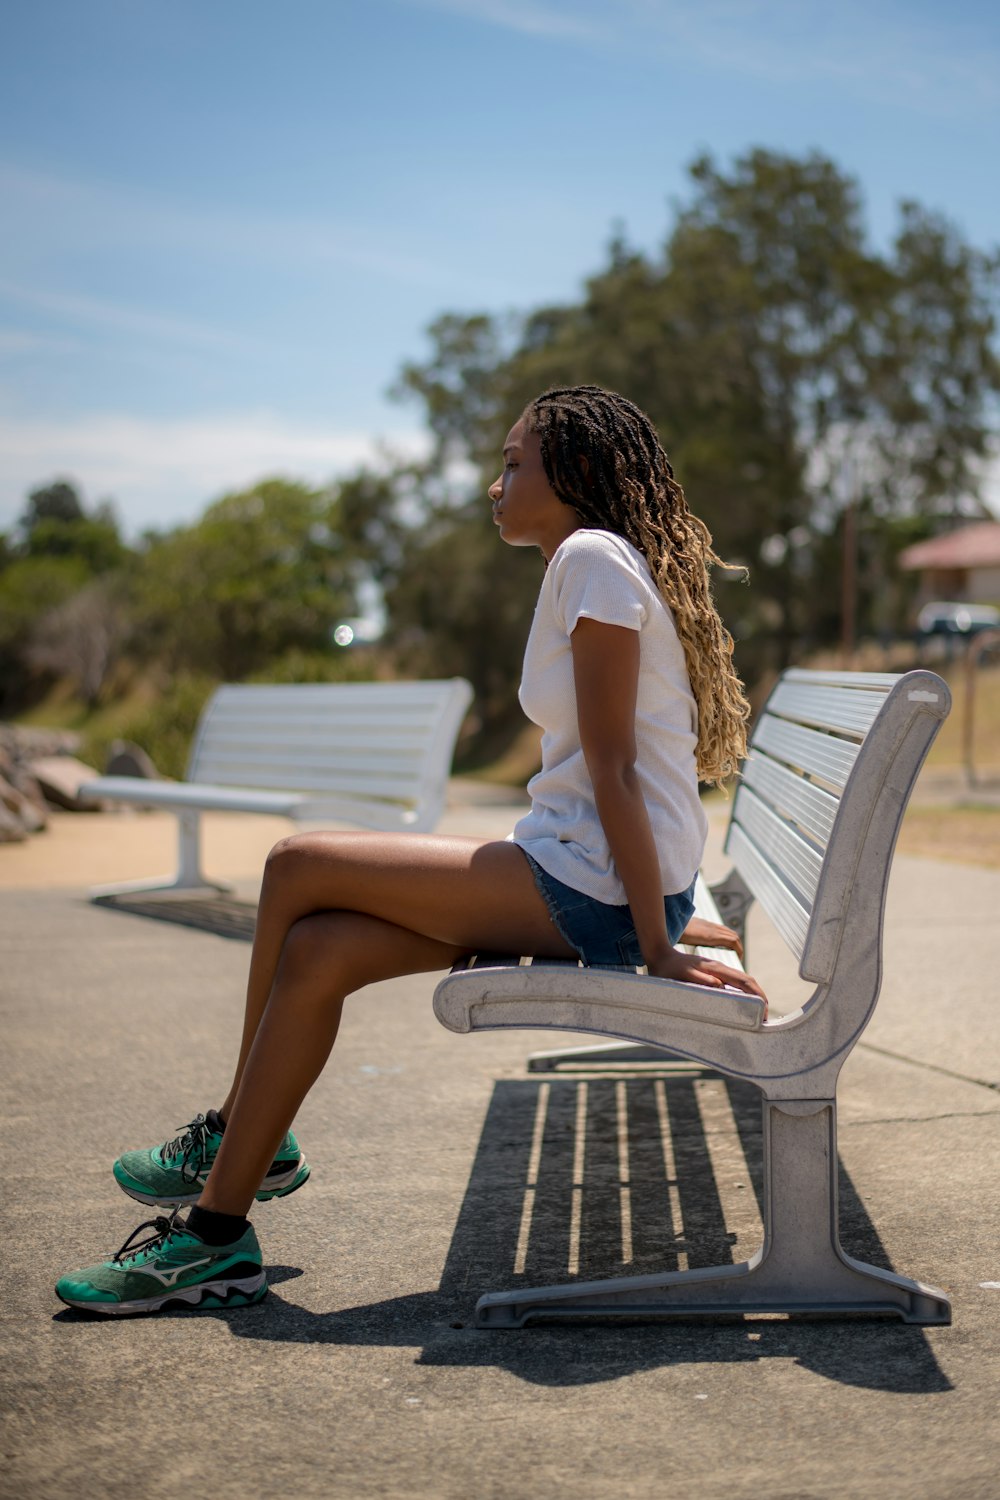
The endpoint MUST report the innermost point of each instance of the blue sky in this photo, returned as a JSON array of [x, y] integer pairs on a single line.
[[227, 225]]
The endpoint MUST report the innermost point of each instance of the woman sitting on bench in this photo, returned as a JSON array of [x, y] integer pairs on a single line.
[[628, 671]]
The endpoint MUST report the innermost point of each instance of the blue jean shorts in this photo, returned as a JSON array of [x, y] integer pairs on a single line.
[[603, 935]]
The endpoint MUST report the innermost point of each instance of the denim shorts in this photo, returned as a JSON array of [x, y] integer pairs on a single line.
[[603, 935]]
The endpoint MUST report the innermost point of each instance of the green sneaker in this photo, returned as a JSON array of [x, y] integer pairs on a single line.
[[174, 1174], [171, 1269]]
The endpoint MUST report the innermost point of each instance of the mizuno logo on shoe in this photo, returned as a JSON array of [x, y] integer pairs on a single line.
[[169, 1278]]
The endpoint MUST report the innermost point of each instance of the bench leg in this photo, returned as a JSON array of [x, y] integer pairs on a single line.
[[799, 1269], [189, 880], [733, 900]]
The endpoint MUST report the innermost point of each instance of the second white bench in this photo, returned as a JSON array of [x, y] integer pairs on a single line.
[[376, 754]]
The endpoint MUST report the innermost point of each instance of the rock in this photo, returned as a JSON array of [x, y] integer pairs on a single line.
[[31, 818], [60, 778], [23, 742], [22, 781], [127, 759], [12, 830]]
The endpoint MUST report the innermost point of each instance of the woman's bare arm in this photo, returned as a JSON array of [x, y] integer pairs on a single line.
[[606, 674]]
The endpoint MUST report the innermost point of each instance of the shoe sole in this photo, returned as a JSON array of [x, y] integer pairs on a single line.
[[297, 1177], [204, 1296]]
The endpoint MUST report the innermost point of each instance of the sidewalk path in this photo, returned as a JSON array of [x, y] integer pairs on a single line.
[[360, 1376]]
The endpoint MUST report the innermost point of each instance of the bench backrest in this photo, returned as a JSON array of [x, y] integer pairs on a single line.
[[832, 762], [378, 743]]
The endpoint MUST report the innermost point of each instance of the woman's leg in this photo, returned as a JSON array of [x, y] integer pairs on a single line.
[[410, 880], [351, 910], [324, 959]]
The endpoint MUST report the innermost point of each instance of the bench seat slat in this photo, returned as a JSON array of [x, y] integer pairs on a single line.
[[796, 859], [804, 803], [398, 743], [882, 682], [312, 767], [374, 695], [290, 737], [828, 758], [386, 790], [311, 721], [786, 909], [826, 708]]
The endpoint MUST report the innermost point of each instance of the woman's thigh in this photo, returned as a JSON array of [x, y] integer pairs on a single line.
[[468, 893]]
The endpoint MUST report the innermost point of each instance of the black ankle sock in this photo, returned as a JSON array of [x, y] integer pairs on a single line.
[[214, 1228], [215, 1121]]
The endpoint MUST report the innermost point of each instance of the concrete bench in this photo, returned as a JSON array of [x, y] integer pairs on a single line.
[[376, 754], [833, 759]]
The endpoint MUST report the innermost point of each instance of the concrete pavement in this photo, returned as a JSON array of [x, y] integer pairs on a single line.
[[360, 1375]]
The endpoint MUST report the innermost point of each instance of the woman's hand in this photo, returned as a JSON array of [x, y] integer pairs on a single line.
[[701, 934], [690, 969]]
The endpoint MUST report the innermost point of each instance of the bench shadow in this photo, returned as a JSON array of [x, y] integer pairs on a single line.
[[591, 1178], [223, 915]]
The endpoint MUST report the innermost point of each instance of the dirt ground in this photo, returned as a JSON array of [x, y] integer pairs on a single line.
[[970, 834]]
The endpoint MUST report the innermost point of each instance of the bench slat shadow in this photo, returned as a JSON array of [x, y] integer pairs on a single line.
[[529, 1212]]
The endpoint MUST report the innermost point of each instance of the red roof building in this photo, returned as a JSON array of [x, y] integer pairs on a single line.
[[962, 565]]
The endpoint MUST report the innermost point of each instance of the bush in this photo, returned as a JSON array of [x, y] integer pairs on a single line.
[[352, 665], [164, 729]]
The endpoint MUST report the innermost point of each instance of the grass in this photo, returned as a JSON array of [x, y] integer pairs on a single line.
[[969, 834], [948, 750]]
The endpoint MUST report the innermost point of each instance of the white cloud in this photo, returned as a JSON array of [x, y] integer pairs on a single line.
[[530, 19], [163, 472], [106, 213], [944, 65], [122, 318], [26, 341]]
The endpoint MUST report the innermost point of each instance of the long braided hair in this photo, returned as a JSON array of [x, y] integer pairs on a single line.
[[602, 457]]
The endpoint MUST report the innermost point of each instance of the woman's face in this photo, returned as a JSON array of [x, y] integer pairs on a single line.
[[526, 508]]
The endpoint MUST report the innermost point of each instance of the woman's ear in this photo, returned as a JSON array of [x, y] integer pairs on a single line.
[[584, 463]]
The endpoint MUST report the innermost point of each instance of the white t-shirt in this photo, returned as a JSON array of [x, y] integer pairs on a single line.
[[603, 577]]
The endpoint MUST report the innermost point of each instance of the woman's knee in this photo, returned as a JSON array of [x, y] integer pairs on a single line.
[[293, 856], [327, 944], [309, 946]]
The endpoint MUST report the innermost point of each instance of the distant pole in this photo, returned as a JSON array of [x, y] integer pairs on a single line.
[[849, 583]]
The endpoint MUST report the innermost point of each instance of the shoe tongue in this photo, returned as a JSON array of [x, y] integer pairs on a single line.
[[215, 1122]]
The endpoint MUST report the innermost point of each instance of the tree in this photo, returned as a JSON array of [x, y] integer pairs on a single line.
[[57, 502], [264, 571], [30, 587], [56, 551], [56, 524], [80, 639]]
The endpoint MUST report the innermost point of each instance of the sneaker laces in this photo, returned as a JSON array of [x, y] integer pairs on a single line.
[[162, 1228], [191, 1146]]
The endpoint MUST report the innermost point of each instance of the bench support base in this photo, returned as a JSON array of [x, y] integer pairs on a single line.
[[800, 1269], [189, 879]]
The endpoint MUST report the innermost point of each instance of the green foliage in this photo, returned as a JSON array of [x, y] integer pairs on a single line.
[[262, 573], [57, 502], [58, 613], [55, 524], [30, 587], [352, 665], [462, 605], [164, 729]]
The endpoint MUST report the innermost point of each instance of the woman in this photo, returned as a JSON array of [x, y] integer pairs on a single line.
[[628, 670]]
